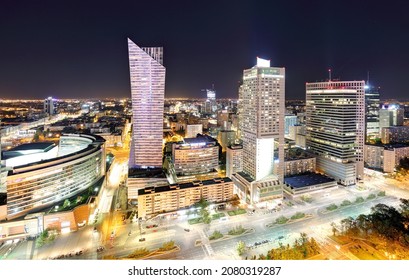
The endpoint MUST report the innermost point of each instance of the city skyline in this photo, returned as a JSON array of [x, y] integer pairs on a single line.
[[79, 52]]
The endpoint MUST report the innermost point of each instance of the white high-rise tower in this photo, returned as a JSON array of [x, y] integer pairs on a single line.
[[261, 114], [335, 122], [148, 93]]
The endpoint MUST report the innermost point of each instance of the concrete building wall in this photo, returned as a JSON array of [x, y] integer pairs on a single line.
[[293, 167], [373, 156]]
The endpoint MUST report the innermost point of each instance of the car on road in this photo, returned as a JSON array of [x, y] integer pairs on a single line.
[[280, 237], [152, 226], [186, 229], [142, 239]]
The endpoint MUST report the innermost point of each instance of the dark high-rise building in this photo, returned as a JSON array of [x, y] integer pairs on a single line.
[[371, 113], [50, 106]]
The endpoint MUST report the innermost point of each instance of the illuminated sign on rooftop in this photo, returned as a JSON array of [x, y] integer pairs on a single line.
[[263, 62]]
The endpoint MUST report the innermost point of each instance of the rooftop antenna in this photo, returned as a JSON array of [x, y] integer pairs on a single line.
[[367, 78]]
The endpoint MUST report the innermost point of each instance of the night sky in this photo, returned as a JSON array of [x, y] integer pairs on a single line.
[[78, 49]]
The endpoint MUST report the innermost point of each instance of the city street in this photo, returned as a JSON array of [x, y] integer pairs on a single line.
[[121, 237]]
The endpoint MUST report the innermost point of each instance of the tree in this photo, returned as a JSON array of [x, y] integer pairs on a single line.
[[36, 137], [206, 217], [334, 228], [203, 212], [404, 207], [359, 199], [215, 235], [346, 202], [241, 248], [66, 204], [202, 203]]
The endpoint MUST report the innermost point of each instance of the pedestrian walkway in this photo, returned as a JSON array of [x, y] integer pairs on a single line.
[[205, 243]]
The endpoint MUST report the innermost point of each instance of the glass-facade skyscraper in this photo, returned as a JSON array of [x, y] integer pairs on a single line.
[[335, 112], [371, 113], [147, 75]]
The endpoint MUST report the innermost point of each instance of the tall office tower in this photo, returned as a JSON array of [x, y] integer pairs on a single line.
[[147, 93], [192, 130], [210, 104], [391, 115], [50, 106], [289, 120], [3, 187], [335, 122], [262, 118], [371, 113], [234, 159], [261, 121]]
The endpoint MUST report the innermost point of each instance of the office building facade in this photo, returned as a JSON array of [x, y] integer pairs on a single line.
[[234, 159], [226, 138], [147, 75], [395, 134], [385, 157], [290, 120], [192, 130], [335, 120], [50, 106], [198, 155], [391, 115]]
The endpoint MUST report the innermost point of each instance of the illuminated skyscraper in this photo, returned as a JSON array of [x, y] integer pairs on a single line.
[[50, 106], [335, 122], [261, 122], [372, 130], [147, 75], [210, 103], [391, 115], [262, 118], [3, 187]]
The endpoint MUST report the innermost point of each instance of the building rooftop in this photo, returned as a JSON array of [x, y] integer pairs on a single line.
[[146, 173], [246, 176], [235, 147], [43, 146], [150, 190], [27, 149], [389, 146], [200, 139], [305, 180], [97, 142]]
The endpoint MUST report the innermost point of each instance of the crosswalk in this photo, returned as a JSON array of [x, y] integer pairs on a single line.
[[205, 243]]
